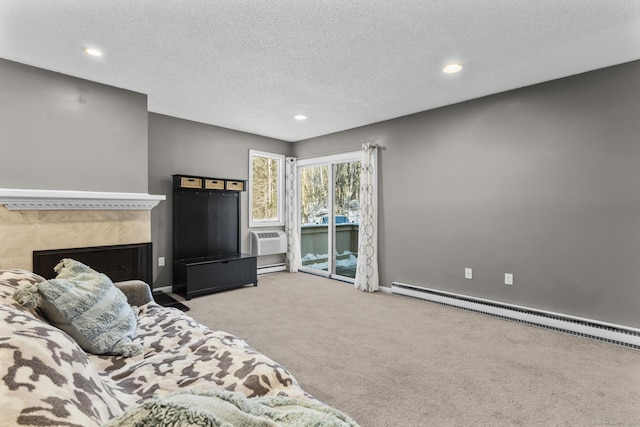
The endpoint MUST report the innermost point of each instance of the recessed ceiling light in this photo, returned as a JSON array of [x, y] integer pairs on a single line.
[[300, 117], [92, 52], [452, 68]]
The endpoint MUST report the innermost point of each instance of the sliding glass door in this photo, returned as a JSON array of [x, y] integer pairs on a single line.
[[314, 198], [329, 213]]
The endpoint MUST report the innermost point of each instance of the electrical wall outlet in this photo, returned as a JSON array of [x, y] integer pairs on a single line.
[[468, 273], [160, 261], [508, 279]]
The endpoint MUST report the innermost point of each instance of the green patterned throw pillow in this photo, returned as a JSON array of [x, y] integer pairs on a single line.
[[87, 306]]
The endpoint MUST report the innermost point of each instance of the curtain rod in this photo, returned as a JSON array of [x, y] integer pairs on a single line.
[[382, 147]]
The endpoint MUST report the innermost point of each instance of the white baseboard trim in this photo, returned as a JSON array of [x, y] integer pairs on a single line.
[[617, 334], [166, 289]]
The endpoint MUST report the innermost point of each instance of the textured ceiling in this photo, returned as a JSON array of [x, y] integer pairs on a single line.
[[253, 65]]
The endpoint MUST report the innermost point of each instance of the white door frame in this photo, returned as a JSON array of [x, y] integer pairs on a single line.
[[330, 161]]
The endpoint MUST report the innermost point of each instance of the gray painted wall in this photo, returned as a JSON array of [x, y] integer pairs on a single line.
[[179, 146], [63, 133], [540, 182]]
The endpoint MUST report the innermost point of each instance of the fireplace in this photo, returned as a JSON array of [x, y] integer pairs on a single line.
[[40, 220], [118, 262]]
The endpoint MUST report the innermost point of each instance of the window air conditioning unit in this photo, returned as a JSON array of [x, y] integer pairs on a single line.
[[268, 242]]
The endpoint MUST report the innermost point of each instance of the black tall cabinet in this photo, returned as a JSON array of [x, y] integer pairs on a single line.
[[206, 236]]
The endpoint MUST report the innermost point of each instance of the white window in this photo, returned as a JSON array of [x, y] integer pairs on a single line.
[[266, 189]]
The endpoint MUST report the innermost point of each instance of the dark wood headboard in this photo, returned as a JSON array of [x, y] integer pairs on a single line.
[[118, 262]]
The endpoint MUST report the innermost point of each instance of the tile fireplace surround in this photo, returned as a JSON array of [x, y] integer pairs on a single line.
[[47, 219]]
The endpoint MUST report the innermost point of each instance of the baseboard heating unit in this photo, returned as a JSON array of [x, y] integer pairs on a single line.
[[271, 268], [616, 334]]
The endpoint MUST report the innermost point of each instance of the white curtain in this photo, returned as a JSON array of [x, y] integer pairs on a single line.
[[291, 214], [367, 267]]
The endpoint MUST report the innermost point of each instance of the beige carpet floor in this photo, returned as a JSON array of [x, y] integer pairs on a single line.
[[389, 360]]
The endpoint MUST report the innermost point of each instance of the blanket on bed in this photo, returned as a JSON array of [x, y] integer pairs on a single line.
[[223, 408]]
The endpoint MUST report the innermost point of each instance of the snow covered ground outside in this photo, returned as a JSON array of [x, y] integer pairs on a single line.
[[345, 261]]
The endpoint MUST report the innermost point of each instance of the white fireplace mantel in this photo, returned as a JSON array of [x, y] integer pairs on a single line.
[[30, 200]]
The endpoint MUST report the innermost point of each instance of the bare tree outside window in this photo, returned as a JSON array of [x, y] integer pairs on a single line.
[[266, 189]]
